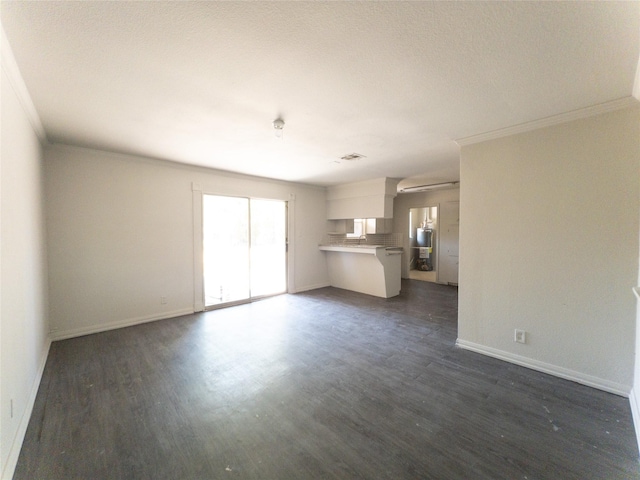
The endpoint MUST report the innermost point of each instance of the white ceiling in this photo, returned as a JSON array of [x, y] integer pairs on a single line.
[[201, 82]]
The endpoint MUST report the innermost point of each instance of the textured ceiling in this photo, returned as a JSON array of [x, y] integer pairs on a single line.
[[201, 82]]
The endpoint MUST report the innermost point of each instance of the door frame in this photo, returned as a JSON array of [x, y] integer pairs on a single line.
[[435, 241], [198, 191]]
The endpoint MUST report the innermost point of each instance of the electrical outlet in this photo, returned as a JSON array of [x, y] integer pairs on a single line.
[[520, 336], [163, 300]]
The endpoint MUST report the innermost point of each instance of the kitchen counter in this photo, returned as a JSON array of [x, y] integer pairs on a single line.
[[370, 269], [366, 249]]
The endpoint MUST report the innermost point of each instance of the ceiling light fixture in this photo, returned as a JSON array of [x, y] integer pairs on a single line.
[[352, 156], [424, 188], [278, 125]]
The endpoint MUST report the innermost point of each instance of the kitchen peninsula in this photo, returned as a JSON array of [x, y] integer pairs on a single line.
[[370, 269]]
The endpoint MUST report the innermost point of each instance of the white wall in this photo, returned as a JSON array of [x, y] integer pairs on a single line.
[[634, 398], [23, 298], [549, 244], [121, 235], [404, 202]]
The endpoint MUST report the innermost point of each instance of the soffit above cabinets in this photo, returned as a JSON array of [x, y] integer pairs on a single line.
[[366, 199]]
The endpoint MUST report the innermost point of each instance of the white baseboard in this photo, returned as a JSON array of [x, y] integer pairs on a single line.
[[306, 288], [78, 332], [16, 445], [579, 377], [635, 414]]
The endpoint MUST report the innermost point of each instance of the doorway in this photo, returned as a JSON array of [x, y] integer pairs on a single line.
[[423, 239], [244, 249]]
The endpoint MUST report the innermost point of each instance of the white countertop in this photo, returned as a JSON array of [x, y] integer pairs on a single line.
[[364, 249]]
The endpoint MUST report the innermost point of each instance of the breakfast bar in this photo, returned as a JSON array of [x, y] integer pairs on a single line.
[[370, 269]]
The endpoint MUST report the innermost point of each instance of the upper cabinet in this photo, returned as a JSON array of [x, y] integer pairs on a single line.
[[365, 226], [379, 225], [344, 225], [368, 199]]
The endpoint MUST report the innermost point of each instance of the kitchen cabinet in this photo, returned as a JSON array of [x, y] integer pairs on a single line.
[[379, 225], [344, 225], [369, 225]]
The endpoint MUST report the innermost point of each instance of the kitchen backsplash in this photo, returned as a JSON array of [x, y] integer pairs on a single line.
[[386, 239]]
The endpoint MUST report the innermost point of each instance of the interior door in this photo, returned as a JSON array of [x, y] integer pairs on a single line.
[[449, 272], [244, 249], [449, 242]]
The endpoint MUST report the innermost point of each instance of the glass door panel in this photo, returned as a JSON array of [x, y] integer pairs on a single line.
[[245, 249], [226, 252], [268, 247]]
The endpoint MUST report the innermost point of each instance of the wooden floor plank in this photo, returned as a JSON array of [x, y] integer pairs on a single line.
[[324, 384]]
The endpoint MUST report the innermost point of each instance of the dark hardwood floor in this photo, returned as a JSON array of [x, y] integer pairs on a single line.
[[324, 384]]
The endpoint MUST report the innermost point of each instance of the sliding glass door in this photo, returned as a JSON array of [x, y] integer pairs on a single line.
[[244, 244], [268, 259], [226, 249]]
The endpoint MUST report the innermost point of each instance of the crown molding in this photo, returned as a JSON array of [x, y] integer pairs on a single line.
[[550, 121], [10, 67]]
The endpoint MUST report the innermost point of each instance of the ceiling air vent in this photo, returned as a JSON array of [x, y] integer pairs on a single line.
[[352, 157]]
